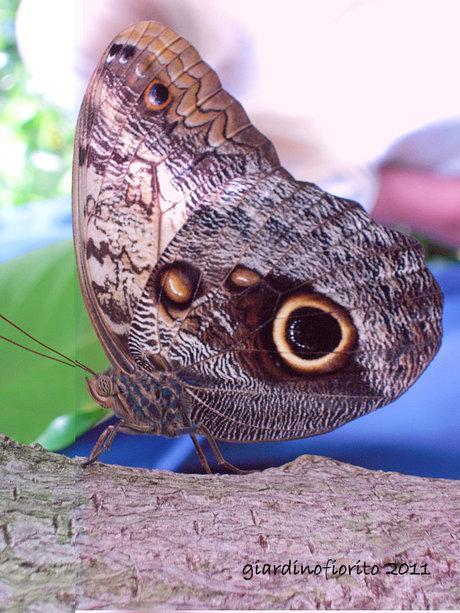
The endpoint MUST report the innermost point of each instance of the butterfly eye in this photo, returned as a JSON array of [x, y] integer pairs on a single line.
[[104, 386], [313, 334], [156, 96]]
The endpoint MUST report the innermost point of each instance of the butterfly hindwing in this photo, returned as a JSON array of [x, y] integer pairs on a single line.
[[287, 240]]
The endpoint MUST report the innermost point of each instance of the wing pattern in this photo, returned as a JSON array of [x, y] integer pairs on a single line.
[[297, 238], [281, 310], [139, 173]]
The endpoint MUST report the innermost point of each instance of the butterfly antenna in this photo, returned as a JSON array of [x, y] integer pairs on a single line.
[[44, 355], [66, 360]]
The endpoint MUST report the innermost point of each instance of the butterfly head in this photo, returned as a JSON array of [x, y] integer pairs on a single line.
[[103, 389]]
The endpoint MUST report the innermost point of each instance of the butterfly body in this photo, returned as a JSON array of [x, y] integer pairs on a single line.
[[231, 299], [146, 402]]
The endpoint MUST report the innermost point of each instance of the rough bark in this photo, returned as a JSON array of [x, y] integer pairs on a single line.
[[113, 537]]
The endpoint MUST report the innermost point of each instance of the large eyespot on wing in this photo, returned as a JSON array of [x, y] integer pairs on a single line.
[[312, 334], [157, 137], [308, 315]]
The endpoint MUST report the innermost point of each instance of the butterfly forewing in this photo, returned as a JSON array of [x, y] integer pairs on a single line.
[[141, 168]]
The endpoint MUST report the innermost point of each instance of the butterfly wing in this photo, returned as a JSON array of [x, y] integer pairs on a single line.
[[283, 311], [302, 313], [156, 136]]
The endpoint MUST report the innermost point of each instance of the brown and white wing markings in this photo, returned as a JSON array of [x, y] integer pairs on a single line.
[[282, 310], [139, 172], [286, 239]]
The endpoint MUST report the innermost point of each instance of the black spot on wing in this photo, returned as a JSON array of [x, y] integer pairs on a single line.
[[81, 155], [128, 53]]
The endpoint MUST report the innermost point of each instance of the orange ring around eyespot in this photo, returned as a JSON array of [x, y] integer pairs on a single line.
[[151, 106], [327, 363]]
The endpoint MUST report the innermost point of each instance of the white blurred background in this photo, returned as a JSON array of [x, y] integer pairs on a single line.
[[344, 88]]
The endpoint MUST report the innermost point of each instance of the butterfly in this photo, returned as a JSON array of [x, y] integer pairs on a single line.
[[232, 300]]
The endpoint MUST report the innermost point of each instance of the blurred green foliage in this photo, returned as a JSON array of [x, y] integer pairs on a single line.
[[35, 136], [41, 399]]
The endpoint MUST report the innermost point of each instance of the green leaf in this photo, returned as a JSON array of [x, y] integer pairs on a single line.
[[63, 430], [40, 293]]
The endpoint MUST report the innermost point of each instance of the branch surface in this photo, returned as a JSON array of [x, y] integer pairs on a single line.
[[114, 537]]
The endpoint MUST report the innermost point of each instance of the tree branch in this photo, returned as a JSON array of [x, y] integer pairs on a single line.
[[108, 536]]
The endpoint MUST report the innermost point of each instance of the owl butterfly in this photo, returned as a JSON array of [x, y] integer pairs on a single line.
[[231, 300]]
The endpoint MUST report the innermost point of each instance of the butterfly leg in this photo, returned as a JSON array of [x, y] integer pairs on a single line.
[[103, 443], [218, 454], [191, 429], [200, 454]]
